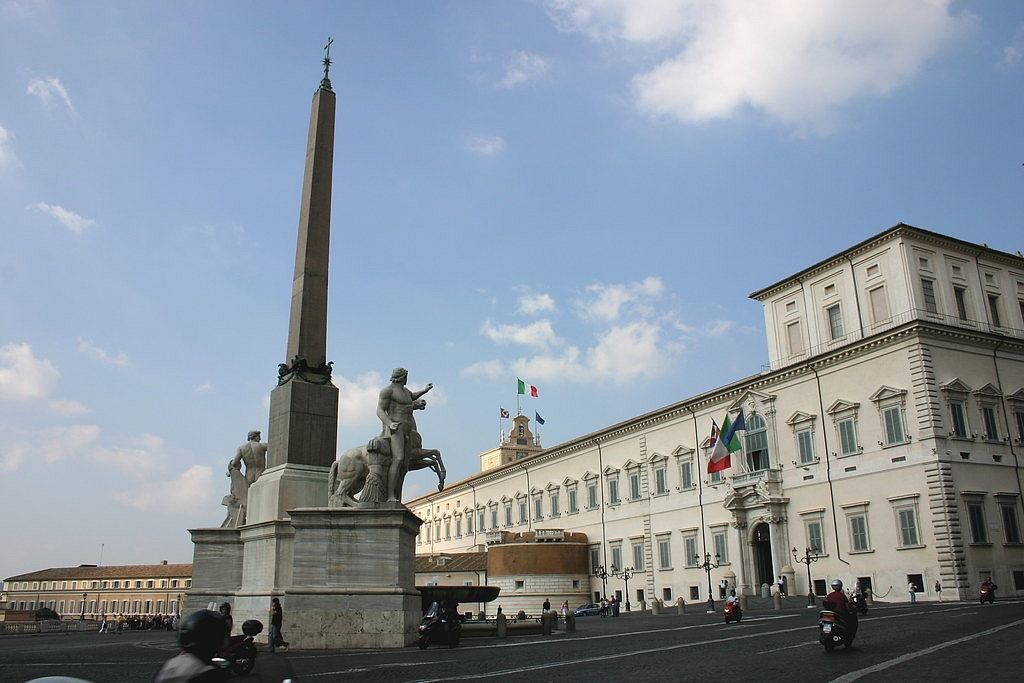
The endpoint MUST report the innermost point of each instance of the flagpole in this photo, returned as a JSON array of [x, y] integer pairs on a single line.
[[700, 479]]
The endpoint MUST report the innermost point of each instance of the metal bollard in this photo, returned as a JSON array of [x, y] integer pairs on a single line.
[[545, 623], [680, 606], [570, 622], [777, 600], [655, 606]]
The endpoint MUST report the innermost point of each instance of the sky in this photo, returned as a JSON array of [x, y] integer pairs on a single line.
[[581, 194]]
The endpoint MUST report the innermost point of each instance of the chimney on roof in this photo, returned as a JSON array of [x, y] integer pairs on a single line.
[[163, 561]]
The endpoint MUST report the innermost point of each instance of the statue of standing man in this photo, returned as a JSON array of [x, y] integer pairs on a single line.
[[395, 410], [253, 455]]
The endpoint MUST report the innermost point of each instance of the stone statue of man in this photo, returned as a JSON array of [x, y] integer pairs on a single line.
[[253, 455], [395, 408]]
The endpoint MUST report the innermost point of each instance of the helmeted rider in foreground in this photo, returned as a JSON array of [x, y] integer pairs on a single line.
[[201, 636]]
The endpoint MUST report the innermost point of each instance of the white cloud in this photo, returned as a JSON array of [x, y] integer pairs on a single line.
[[523, 67], [69, 219], [47, 445], [488, 369], [607, 300], [716, 328], [23, 376], [97, 353], [797, 62], [1012, 53], [357, 405], [205, 388], [485, 145], [192, 493], [67, 407], [539, 334], [621, 354], [50, 89], [532, 304], [7, 157]]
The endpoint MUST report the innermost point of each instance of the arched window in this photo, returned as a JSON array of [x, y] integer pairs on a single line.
[[757, 443]]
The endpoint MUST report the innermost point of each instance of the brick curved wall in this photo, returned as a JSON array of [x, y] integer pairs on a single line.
[[517, 559]]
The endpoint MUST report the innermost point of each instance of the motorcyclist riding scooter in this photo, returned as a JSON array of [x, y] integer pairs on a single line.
[[837, 623], [201, 637]]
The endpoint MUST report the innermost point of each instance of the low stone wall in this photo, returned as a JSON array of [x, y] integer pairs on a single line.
[[47, 626]]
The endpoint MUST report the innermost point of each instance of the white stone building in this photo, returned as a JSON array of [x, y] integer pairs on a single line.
[[885, 432]]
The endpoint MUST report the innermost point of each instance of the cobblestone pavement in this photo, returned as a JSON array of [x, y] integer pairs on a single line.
[[949, 641]]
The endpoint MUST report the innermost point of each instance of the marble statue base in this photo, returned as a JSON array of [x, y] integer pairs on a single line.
[[216, 568], [345, 576]]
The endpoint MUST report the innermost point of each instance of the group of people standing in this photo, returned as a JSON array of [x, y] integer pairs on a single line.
[[136, 622], [610, 607]]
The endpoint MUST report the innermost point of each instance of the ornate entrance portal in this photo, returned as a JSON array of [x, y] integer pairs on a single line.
[[762, 547]]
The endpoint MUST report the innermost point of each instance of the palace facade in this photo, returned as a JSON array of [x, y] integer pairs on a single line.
[[882, 444], [88, 591]]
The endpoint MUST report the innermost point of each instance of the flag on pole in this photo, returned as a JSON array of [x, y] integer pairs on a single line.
[[540, 420], [523, 387], [504, 413], [727, 443]]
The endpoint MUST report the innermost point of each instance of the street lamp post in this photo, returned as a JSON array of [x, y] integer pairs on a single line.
[[707, 565], [602, 573], [625, 574], [84, 596], [810, 555]]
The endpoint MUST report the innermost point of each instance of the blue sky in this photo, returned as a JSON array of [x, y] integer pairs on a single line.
[[581, 194]]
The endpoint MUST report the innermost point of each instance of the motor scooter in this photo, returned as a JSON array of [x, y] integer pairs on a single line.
[[860, 603], [732, 612], [239, 655], [987, 594], [441, 624], [834, 630]]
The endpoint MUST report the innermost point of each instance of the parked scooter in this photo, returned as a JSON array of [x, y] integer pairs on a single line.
[[441, 624], [835, 630], [732, 612], [239, 655], [860, 603]]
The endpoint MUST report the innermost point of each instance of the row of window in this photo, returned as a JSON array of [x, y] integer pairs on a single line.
[[858, 529], [757, 454], [104, 606], [878, 306], [99, 585]]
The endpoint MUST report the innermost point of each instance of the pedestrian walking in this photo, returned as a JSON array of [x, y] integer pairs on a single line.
[[547, 605], [604, 607], [912, 591], [938, 589], [782, 585], [274, 637], [565, 609]]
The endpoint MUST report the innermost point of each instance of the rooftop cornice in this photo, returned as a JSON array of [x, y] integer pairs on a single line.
[[898, 230]]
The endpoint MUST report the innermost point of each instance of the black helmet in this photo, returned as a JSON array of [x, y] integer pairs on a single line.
[[202, 633]]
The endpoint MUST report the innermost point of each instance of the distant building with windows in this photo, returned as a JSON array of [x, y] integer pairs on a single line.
[[883, 436], [92, 591]]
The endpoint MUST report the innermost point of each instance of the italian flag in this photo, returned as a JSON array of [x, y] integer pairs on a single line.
[[523, 386], [727, 443]]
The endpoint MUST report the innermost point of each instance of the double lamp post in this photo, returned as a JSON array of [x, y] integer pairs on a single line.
[[810, 555], [625, 574]]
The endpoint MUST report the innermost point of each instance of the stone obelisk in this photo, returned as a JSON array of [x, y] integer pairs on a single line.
[[304, 406]]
